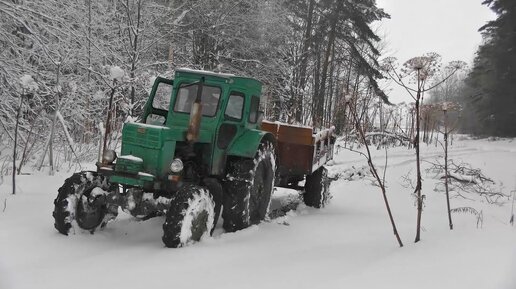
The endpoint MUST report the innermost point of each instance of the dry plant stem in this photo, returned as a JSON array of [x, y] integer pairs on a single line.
[[418, 100], [446, 168], [512, 209], [417, 191], [54, 120], [68, 138], [376, 175], [26, 148]]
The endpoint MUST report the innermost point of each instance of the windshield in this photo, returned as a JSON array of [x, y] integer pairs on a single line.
[[157, 113], [209, 99], [162, 96]]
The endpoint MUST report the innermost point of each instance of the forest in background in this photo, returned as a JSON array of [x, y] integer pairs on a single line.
[[486, 93], [56, 58], [316, 59]]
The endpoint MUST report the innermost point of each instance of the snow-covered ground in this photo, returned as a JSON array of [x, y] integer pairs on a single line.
[[348, 244]]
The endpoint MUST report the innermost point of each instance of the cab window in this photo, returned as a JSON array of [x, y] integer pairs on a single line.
[[235, 107], [162, 96], [187, 94], [255, 106]]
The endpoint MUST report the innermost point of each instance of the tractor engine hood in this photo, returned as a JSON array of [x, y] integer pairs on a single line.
[[143, 149], [150, 148]]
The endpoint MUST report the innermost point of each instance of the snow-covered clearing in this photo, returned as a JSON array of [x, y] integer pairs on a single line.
[[348, 244]]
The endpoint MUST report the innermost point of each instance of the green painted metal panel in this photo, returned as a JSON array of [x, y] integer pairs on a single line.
[[148, 143], [128, 166], [156, 145], [140, 180], [247, 144]]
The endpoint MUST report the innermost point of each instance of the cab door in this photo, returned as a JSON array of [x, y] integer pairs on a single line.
[[231, 126]]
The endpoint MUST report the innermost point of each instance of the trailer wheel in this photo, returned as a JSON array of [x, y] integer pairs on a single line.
[[317, 189], [82, 199], [189, 217], [248, 189]]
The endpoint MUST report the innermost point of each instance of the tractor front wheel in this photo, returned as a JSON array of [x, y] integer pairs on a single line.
[[82, 199], [190, 216]]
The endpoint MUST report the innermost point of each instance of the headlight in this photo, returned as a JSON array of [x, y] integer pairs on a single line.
[[109, 156], [176, 166]]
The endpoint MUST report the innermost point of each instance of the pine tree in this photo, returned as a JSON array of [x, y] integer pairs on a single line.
[[491, 91]]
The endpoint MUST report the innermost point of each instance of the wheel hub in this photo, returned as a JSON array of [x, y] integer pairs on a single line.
[[199, 225], [89, 213]]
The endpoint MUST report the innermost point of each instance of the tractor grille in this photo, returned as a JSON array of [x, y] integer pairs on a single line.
[[128, 166], [149, 138]]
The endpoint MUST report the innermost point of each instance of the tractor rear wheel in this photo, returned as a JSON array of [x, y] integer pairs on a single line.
[[317, 189], [248, 189], [82, 199], [189, 217]]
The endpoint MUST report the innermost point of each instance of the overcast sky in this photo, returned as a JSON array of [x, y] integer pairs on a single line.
[[448, 27]]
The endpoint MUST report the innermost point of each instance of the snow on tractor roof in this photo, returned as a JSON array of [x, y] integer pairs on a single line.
[[227, 76], [205, 72]]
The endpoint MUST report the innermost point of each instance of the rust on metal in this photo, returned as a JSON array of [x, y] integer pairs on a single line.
[[300, 151], [195, 122], [289, 133]]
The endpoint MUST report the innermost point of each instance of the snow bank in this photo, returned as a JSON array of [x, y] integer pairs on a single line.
[[348, 244]]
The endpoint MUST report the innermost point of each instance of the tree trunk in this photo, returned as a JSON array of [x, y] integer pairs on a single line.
[[53, 127], [107, 132], [89, 41], [16, 142], [307, 41], [135, 52], [319, 98], [26, 148]]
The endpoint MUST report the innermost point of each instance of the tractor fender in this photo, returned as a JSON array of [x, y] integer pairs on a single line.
[[247, 144]]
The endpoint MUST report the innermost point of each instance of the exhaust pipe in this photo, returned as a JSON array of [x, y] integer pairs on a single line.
[[194, 124]]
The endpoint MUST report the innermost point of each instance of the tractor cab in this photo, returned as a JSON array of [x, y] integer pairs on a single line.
[[190, 126]]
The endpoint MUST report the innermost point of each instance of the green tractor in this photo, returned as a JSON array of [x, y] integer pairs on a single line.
[[200, 151]]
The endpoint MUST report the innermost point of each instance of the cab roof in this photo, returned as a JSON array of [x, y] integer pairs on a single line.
[[226, 77]]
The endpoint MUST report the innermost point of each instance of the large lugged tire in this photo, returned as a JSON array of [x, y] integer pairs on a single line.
[[216, 192], [317, 189], [82, 199], [248, 189], [189, 217]]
